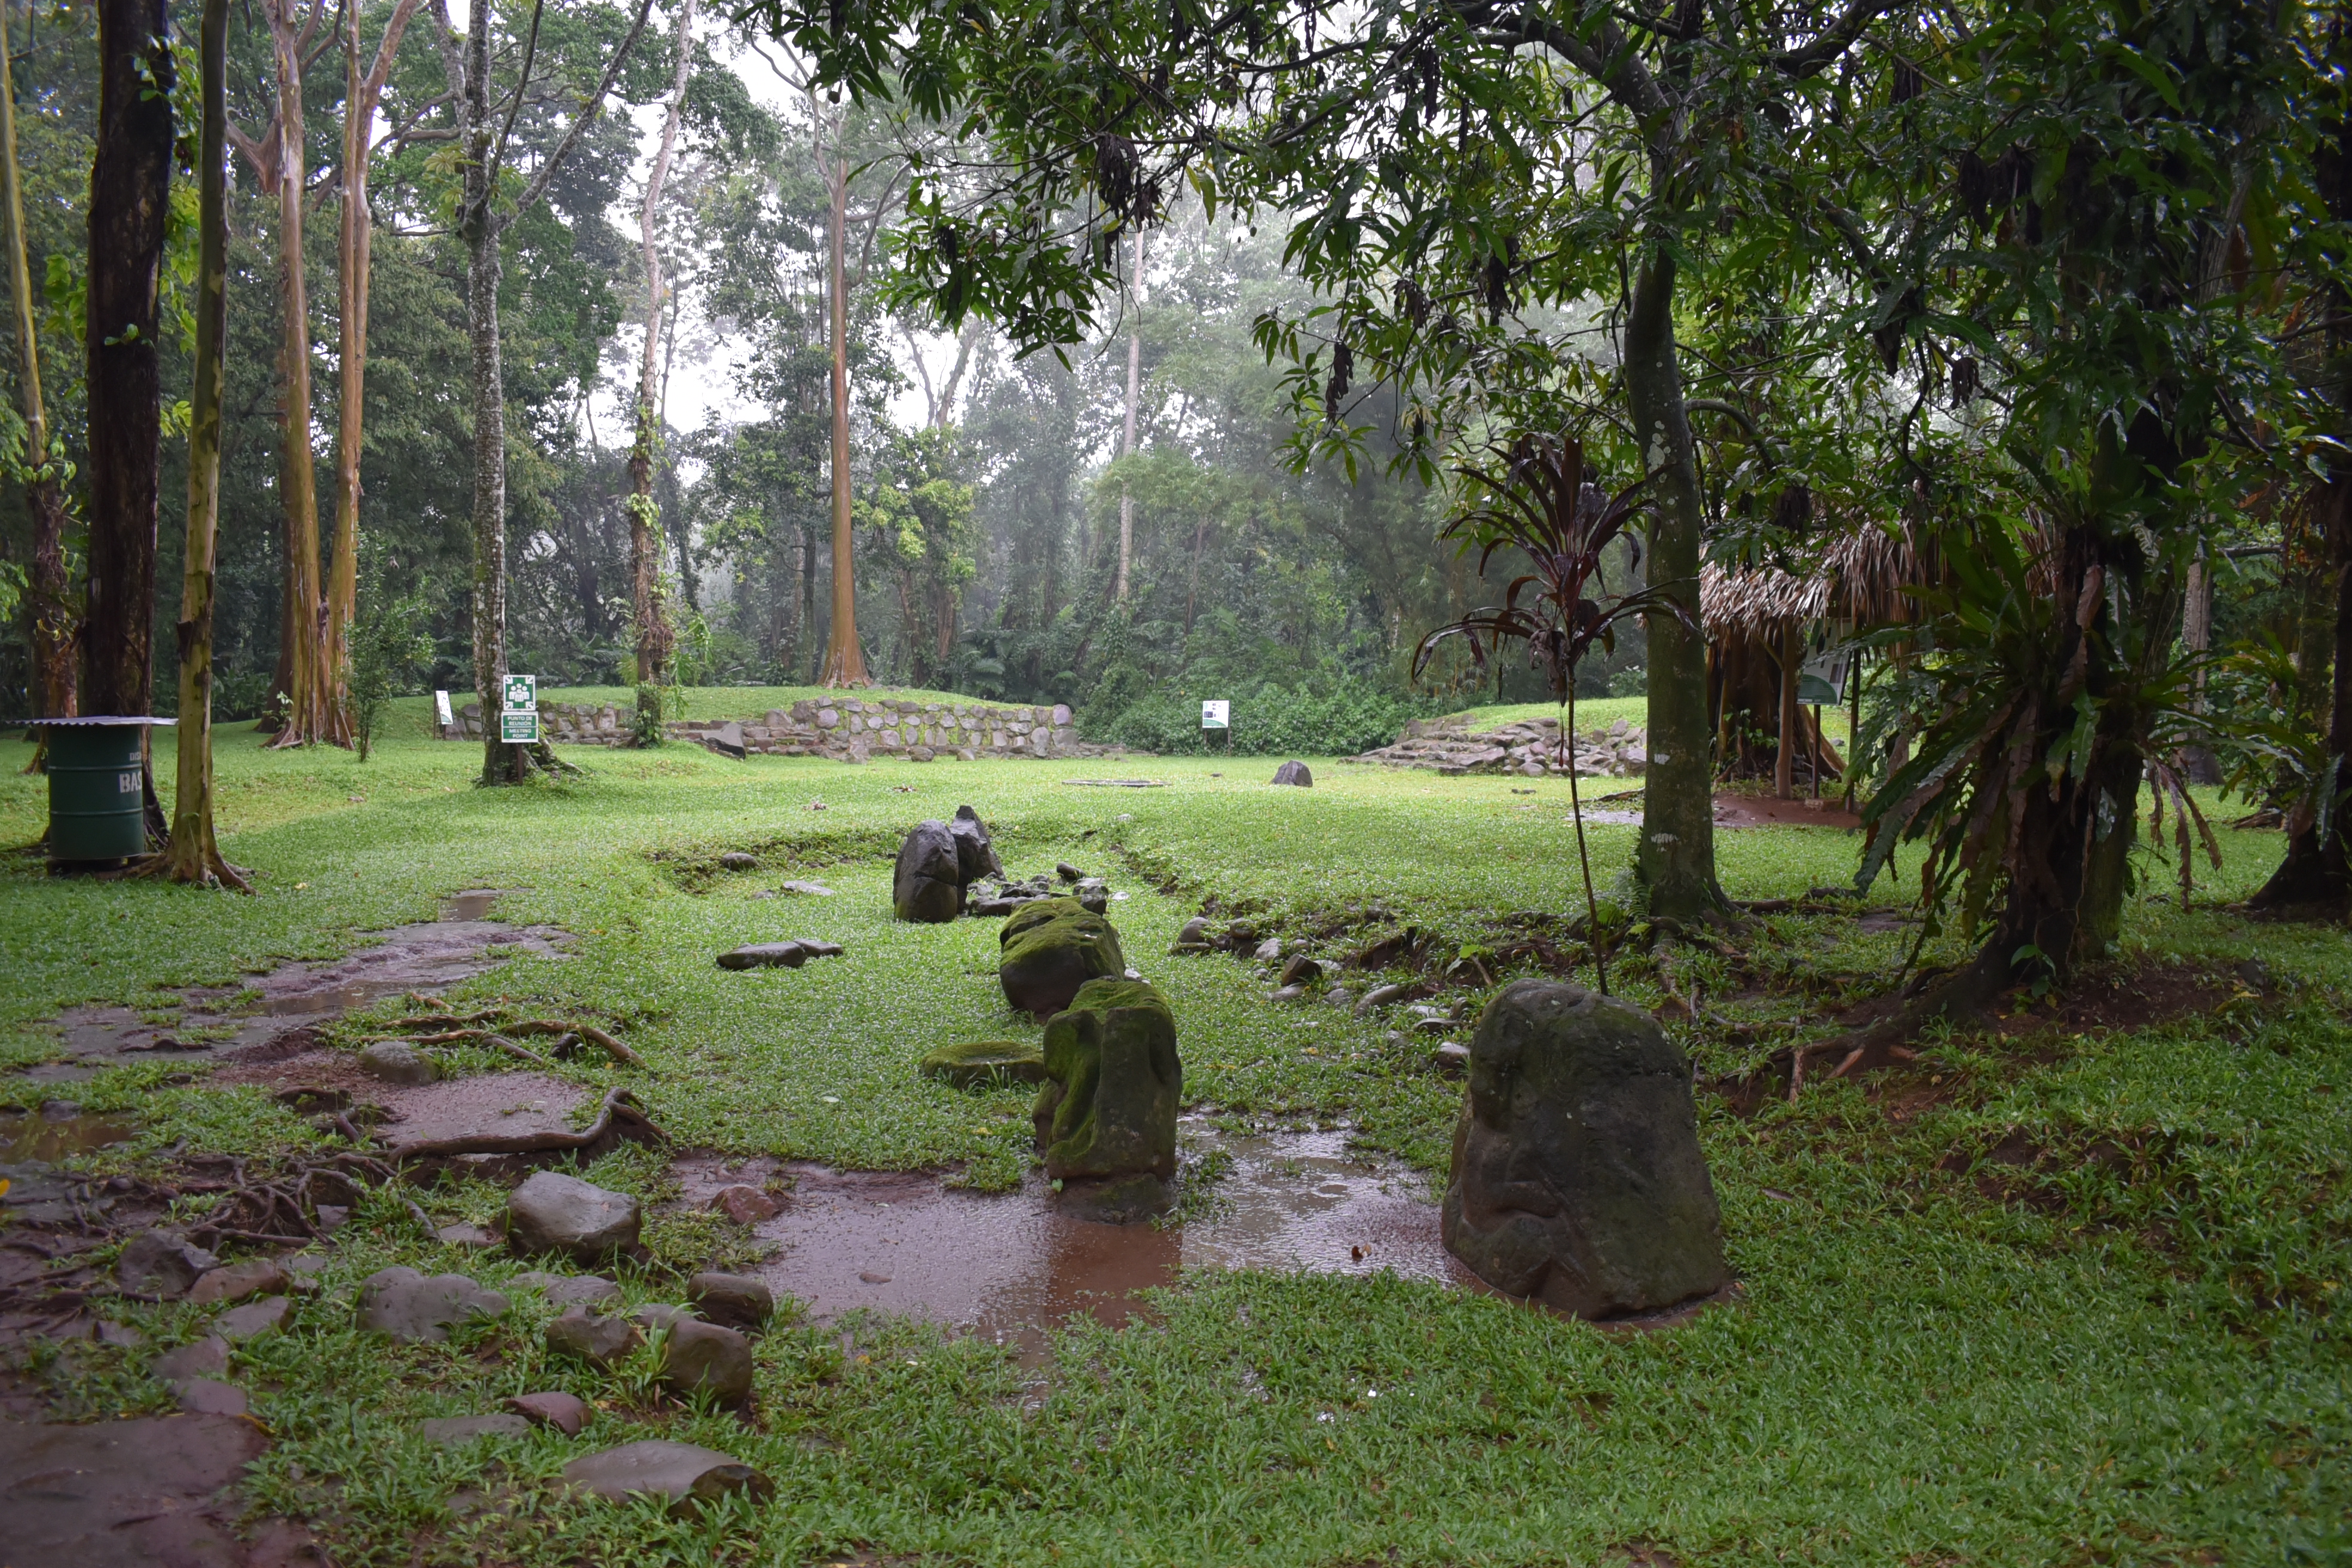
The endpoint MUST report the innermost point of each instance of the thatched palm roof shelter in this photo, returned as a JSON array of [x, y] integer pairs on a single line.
[[1761, 623]]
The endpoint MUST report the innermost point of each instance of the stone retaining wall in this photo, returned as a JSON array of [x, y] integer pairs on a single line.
[[845, 730], [854, 729], [564, 723]]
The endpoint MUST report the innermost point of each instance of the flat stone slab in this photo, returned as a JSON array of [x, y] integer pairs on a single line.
[[451, 1431], [502, 1104], [125, 1494], [207, 1357], [205, 1396], [974, 1064], [411, 1306], [567, 1413], [254, 1277], [254, 1319], [680, 1472], [570, 1290]]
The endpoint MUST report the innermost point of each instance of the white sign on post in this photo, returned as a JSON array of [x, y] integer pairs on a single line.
[[1217, 715], [519, 709], [441, 713]]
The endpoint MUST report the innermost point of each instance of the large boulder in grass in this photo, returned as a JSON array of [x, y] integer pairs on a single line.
[[1577, 1176], [975, 855], [1049, 948], [555, 1213], [1113, 1080], [927, 884]]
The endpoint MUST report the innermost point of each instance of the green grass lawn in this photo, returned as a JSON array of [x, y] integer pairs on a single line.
[[2129, 1348]]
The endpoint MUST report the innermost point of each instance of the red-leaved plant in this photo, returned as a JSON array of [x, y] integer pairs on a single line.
[[1538, 496]]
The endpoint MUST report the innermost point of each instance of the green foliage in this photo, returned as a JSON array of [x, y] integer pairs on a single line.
[[389, 645], [1327, 717]]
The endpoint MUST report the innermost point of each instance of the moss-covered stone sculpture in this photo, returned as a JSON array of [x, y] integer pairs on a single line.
[[975, 1064], [1051, 947], [1576, 1177], [1106, 1116]]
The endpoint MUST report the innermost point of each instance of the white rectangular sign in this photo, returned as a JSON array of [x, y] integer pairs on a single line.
[[441, 710], [1217, 715]]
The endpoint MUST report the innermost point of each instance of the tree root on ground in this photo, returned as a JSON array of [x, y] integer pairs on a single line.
[[620, 1116]]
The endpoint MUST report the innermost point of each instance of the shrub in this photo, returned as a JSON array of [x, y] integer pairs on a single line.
[[1319, 718]]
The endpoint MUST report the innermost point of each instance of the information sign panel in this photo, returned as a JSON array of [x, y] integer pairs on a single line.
[[519, 709], [1216, 715]]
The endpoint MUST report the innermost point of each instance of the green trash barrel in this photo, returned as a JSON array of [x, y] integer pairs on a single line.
[[96, 806]]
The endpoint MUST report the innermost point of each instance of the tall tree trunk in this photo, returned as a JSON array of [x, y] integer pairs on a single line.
[[194, 854], [355, 244], [654, 635], [1134, 387], [129, 192], [845, 660], [304, 633], [51, 615], [1676, 855], [804, 632], [1785, 741]]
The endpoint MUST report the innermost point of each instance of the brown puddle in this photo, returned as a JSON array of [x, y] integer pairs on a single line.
[[1010, 1266], [255, 1019], [59, 1128]]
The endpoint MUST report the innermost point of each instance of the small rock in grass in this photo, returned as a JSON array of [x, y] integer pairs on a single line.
[[254, 1277], [976, 1063], [745, 1205], [1270, 949], [1301, 971], [564, 1412], [162, 1263], [333, 1217], [204, 1397], [555, 1213], [765, 955], [737, 1300], [1286, 994], [1194, 937], [1295, 773], [736, 860], [814, 889], [1452, 1057], [397, 1061], [411, 1306], [252, 1320], [451, 1431], [121, 1334], [1382, 996], [661, 1315], [207, 1357], [703, 1357], [680, 1472], [1339, 997], [570, 1290], [1068, 872], [466, 1234], [599, 1340]]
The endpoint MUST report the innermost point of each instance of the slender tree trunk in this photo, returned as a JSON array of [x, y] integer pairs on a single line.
[[1784, 758], [804, 634], [194, 854], [501, 764], [1192, 585], [845, 660], [307, 694], [1677, 855], [52, 616], [652, 616], [355, 247], [2315, 876], [129, 190], [1134, 387]]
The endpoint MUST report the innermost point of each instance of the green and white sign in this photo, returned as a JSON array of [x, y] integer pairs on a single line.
[[1217, 715], [519, 709]]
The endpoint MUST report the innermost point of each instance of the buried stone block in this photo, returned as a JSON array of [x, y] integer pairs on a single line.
[[419, 1307], [598, 1340], [927, 886], [1578, 1179], [976, 1063], [162, 1263], [1107, 1108], [556, 1213], [1050, 948], [679, 1473]]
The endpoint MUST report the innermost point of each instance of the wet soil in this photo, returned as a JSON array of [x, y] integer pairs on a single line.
[[1010, 1266], [272, 1011], [1736, 810], [135, 1494], [57, 1130]]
